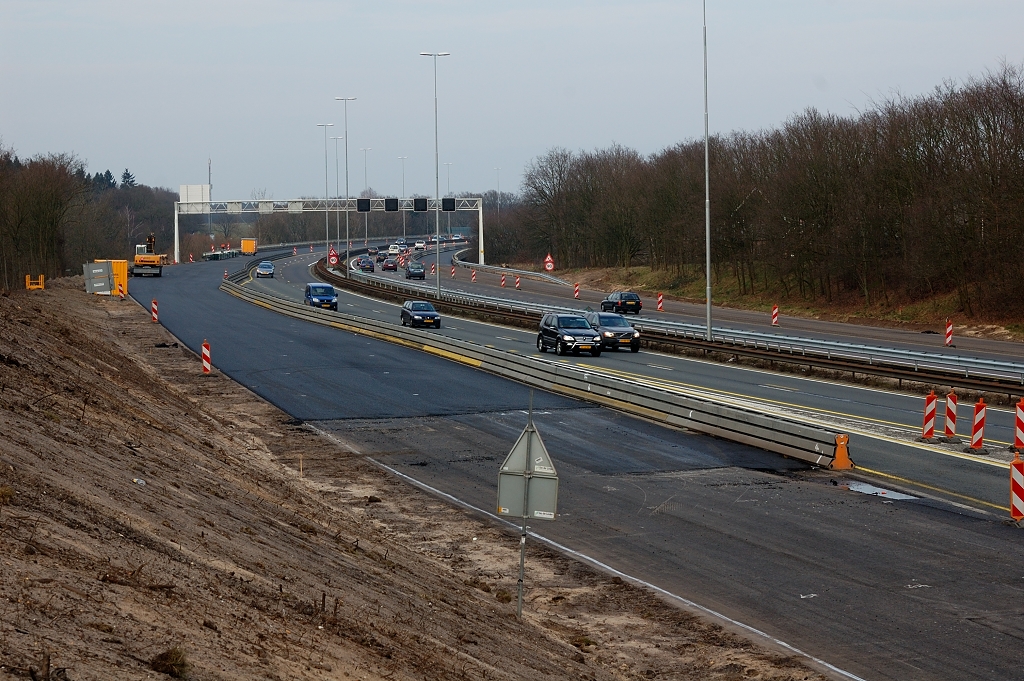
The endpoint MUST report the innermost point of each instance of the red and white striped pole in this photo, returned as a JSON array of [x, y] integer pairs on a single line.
[[225, 274], [661, 303], [949, 333], [453, 271], [950, 425], [775, 315], [311, 248], [978, 433], [295, 250], [1018, 429], [503, 280], [472, 275], [206, 357], [1017, 487], [190, 258], [153, 312], [517, 281], [120, 291], [576, 291], [928, 430], [432, 270]]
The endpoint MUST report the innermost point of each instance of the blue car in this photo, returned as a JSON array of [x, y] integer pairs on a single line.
[[323, 295]]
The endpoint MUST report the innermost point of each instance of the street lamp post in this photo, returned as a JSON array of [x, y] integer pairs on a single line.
[[366, 217], [499, 193], [347, 237], [437, 175], [449, 193], [327, 227], [707, 184], [337, 192], [402, 159]]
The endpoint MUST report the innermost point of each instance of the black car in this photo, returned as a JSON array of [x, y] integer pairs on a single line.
[[389, 264], [365, 264], [565, 333], [381, 257], [420, 313], [415, 270], [614, 330], [622, 302], [321, 295], [372, 251]]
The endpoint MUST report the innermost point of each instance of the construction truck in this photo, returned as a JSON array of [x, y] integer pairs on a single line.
[[147, 261], [248, 247]]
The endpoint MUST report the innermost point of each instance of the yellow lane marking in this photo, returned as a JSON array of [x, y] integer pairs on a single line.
[[453, 356], [940, 490], [668, 382], [609, 401]]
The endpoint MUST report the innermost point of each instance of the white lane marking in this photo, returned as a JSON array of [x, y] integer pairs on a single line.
[[658, 366], [784, 389]]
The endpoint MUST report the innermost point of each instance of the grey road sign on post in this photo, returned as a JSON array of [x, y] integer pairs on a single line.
[[527, 487]]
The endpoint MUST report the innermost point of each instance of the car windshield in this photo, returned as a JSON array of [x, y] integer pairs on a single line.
[[265, 264], [573, 323], [422, 307], [415, 266], [321, 291], [613, 320]]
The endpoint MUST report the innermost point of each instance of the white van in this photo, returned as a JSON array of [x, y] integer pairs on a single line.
[[394, 249]]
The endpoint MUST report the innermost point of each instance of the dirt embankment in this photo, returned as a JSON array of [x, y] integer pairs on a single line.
[[155, 520]]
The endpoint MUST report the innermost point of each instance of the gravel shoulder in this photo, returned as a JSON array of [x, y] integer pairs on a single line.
[[156, 521]]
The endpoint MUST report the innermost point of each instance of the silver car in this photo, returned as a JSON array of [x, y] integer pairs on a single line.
[[265, 269]]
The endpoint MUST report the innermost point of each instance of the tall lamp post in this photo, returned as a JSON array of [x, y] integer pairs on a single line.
[[448, 166], [327, 227], [402, 159], [337, 192], [366, 218], [499, 193], [707, 183], [347, 237], [437, 175]]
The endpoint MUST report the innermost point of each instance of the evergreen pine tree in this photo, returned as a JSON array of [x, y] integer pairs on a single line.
[[127, 179]]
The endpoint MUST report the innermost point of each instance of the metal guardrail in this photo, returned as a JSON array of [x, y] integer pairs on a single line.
[[543, 276], [956, 371], [781, 435]]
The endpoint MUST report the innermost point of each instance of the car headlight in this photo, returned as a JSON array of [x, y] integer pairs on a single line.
[[608, 334], [334, 299], [568, 338], [597, 339], [416, 316], [636, 334]]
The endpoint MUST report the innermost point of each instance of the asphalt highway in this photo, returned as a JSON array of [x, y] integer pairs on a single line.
[[883, 588], [533, 290]]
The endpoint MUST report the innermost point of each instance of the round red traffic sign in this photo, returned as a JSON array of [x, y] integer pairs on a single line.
[[549, 266], [332, 259]]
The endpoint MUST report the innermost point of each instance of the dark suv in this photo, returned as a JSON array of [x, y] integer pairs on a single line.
[[614, 330], [565, 333], [321, 295], [622, 302]]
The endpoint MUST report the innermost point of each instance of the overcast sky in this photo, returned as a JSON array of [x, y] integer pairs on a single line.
[[159, 87]]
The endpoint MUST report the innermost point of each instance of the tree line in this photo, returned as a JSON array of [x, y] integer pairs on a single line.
[[912, 198]]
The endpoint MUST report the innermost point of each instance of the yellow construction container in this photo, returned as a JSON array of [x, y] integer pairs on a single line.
[[119, 268], [248, 247]]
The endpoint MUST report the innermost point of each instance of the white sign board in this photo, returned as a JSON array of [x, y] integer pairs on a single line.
[[528, 476]]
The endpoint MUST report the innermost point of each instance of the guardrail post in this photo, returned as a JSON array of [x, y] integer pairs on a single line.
[[841, 460]]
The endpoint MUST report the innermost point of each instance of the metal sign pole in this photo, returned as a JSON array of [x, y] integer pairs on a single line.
[[526, 505]]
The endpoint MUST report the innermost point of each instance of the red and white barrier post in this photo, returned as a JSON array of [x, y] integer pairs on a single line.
[[950, 425], [517, 281], [453, 271], [928, 430], [775, 315], [153, 311], [225, 274], [576, 291], [661, 303], [1017, 487], [1018, 428], [311, 248], [206, 357], [432, 270], [120, 291], [978, 432], [190, 258], [949, 333], [503, 280], [295, 250], [472, 275]]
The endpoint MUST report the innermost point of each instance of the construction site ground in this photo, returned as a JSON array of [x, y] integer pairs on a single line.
[[155, 521]]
